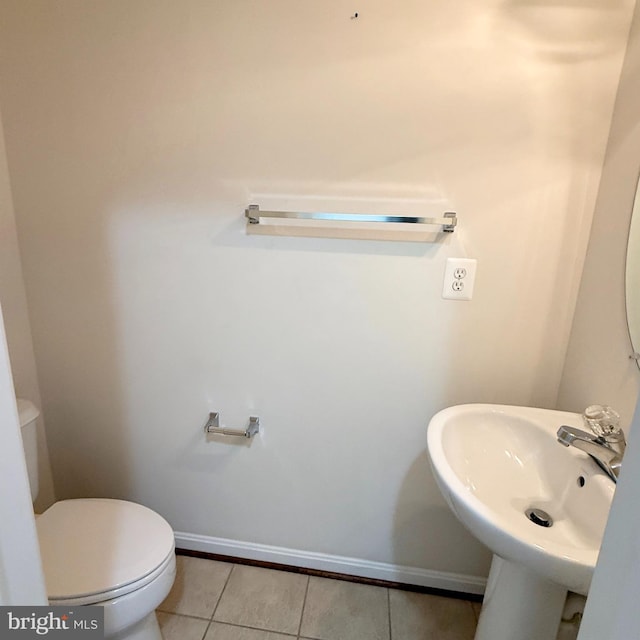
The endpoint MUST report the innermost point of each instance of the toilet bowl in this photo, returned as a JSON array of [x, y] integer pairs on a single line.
[[113, 553]]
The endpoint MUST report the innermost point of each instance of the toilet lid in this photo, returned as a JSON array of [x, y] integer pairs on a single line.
[[95, 545]]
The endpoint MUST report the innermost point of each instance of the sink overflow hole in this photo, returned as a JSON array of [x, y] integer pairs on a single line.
[[539, 517], [581, 481]]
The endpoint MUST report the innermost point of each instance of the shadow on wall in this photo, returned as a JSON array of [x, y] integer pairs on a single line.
[[597, 337], [80, 364], [426, 531], [567, 30]]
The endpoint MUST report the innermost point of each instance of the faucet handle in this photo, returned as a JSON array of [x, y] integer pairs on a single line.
[[602, 420]]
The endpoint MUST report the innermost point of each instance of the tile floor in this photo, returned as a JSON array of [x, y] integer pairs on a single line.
[[214, 600]]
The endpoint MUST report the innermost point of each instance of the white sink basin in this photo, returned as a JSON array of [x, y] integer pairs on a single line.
[[494, 462]]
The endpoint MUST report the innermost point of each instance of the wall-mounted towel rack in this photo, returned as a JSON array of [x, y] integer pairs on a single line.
[[350, 225]]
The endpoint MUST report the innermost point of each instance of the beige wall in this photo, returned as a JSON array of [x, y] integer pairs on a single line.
[[137, 132], [21, 579], [16, 320], [598, 368]]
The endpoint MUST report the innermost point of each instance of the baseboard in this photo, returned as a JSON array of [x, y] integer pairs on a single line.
[[357, 567]]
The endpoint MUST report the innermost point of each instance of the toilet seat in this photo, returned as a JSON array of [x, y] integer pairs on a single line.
[[95, 549], [131, 590]]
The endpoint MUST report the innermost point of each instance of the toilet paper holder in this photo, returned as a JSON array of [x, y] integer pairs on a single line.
[[213, 427]]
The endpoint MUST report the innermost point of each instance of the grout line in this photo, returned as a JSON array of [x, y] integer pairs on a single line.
[[182, 615], [243, 626], [204, 635], [304, 604], [389, 611], [226, 582]]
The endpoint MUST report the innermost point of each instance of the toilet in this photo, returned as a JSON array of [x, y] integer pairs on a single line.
[[97, 551]]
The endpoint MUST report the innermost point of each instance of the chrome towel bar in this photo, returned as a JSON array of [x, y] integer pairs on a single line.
[[213, 427], [447, 222]]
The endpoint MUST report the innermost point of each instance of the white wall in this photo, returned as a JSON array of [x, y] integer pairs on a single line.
[[137, 132], [17, 325], [598, 368]]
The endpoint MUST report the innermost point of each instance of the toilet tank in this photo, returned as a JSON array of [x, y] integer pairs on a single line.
[[28, 414]]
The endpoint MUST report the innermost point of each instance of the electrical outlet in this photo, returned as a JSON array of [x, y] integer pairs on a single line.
[[459, 273], [459, 277]]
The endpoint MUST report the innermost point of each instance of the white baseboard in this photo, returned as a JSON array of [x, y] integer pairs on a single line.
[[335, 564]]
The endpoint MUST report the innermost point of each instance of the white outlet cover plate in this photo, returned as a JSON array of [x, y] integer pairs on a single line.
[[459, 278]]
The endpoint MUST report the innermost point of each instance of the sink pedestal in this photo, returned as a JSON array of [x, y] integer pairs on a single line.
[[518, 603]]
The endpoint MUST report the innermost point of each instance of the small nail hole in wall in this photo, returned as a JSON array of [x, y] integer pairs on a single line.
[[581, 481], [354, 16]]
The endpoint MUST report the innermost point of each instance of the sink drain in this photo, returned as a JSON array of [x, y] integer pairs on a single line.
[[539, 517]]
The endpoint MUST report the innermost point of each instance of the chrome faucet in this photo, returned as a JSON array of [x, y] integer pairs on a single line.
[[606, 450]]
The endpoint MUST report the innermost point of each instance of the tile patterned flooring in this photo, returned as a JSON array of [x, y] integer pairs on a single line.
[[213, 600]]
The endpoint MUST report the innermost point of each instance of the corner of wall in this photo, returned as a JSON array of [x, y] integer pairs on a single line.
[[16, 320], [597, 367]]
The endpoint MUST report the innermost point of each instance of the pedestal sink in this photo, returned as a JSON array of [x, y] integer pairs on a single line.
[[540, 507]]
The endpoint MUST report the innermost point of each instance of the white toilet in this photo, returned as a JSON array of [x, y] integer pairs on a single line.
[[95, 551]]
